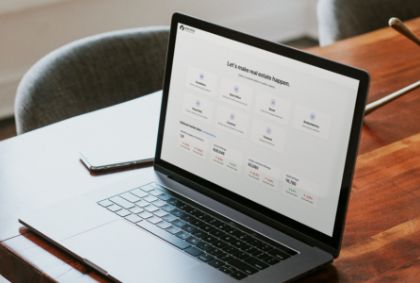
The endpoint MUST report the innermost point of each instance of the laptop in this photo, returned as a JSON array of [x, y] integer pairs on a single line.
[[254, 160]]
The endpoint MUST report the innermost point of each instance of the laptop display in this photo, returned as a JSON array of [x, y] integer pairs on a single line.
[[269, 128]]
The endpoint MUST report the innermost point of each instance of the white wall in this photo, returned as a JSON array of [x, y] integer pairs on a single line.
[[29, 29]]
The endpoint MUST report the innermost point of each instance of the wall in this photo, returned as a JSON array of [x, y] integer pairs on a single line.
[[30, 29]]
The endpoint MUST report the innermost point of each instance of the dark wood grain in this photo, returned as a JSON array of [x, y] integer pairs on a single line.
[[382, 235], [393, 62]]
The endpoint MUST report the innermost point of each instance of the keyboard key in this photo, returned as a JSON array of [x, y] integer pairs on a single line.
[[217, 233], [105, 203], [239, 254], [167, 207], [186, 217], [223, 256], [182, 205], [207, 228], [169, 218], [156, 193], [164, 224], [154, 219], [133, 218], [207, 218], [232, 231], [122, 202], [159, 203], [205, 257], [254, 251], [189, 228], [220, 245], [190, 210], [216, 223], [219, 225], [241, 245], [226, 228], [231, 249], [148, 188], [215, 263], [173, 229], [160, 213], [194, 241], [265, 247], [183, 235], [130, 197], [228, 238], [164, 197], [150, 198], [197, 232], [178, 222], [177, 212], [252, 241], [151, 208], [114, 207], [235, 232], [142, 203], [174, 201], [139, 193], [198, 214], [123, 212], [187, 208], [209, 238], [181, 244], [136, 209], [145, 214], [213, 251], [193, 251], [196, 222]]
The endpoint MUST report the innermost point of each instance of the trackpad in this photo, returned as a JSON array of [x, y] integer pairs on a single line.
[[131, 254]]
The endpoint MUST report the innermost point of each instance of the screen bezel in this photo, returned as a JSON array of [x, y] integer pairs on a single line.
[[284, 223]]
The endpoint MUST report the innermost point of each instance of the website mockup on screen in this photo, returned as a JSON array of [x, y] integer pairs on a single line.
[[269, 128]]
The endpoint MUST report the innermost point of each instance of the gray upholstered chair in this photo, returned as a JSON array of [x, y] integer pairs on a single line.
[[339, 19], [89, 74]]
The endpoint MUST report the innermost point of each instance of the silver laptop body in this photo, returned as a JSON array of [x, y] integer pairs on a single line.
[[255, 155]]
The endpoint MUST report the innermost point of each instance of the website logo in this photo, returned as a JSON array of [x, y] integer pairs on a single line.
[[186, 29]]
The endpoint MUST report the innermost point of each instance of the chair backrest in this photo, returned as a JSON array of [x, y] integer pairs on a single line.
[[89, 74], [339, 19]]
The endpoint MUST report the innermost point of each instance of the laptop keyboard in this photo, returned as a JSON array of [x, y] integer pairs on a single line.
[[198, 231]]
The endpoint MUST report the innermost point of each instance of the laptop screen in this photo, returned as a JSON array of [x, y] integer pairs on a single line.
[[269, 128]]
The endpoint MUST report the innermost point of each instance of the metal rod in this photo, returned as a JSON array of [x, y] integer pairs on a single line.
[[399, 26], [390, 97]]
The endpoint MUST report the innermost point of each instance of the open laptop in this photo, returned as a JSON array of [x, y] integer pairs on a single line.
[[254, 161]]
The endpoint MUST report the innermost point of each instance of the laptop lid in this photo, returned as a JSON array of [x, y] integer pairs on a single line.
[[268, 129]]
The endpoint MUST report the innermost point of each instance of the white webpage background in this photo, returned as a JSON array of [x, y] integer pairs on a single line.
[[305, 168]]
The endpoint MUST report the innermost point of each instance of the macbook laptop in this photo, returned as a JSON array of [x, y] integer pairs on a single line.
[[255, 154]]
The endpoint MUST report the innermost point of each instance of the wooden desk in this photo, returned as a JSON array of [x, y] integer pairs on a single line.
[[382, 236]]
